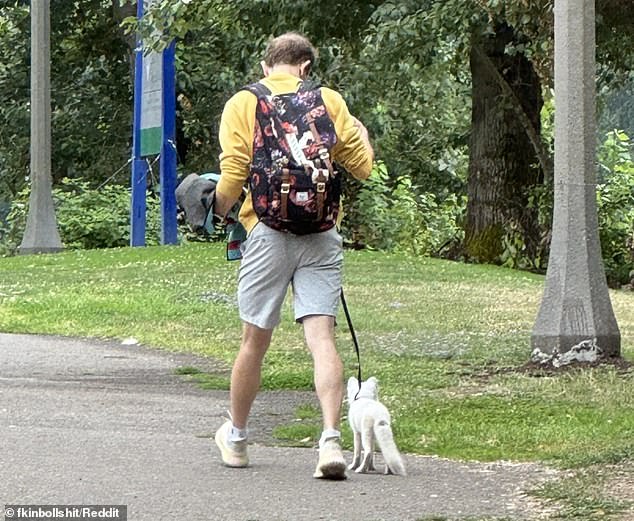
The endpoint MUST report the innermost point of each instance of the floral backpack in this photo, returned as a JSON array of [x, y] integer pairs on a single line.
[[293, 183]]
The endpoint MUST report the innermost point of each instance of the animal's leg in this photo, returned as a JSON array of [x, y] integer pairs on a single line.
[[356, 458], [367, 440]]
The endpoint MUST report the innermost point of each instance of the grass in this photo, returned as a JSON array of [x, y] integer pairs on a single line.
[[443, 518], [582, 495], [446, 340]]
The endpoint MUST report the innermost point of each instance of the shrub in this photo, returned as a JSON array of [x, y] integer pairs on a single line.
[[615, 201], [87, 217], [397, 216]]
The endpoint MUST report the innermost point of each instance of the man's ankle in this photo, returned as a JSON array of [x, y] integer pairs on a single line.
[[236, 435], [329, 434]]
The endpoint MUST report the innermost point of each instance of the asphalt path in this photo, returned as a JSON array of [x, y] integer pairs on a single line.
[[92, 422]]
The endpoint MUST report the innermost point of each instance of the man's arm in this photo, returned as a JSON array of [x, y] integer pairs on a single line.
[[353, 148], [236, 141], [365, 137]]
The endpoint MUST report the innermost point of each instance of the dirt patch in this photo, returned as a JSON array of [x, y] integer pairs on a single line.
[[620, 486], [621, 366], [536, 370]]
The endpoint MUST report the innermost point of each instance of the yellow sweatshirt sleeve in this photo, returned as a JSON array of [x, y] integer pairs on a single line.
[[236, 142], [350, 149]]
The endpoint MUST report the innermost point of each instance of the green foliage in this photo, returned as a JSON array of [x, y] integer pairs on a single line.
[[411, 89], [91, 96], [402, 67], [14, 91], [398, 215], [616, 106], [615, 200], [87, 218]]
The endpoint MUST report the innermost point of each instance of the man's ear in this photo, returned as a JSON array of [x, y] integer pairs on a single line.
[[304, 70], [265, 68]]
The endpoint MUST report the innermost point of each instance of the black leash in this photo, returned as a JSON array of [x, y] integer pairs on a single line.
[[354, 339]]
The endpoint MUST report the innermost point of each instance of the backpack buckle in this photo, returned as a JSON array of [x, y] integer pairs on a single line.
[[321, 187], [286, 188]]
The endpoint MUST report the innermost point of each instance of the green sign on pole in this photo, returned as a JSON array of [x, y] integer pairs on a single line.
[[152, 104]]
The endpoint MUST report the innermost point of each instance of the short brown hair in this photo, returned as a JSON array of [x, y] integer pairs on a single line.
[[290, 49]]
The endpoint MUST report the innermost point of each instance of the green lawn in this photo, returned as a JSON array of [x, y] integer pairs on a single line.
[[443, 338]]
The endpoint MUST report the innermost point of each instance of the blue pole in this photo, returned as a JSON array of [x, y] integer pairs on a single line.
[[139, 165], [168, 148]]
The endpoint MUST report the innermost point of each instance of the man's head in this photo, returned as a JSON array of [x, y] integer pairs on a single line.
[[289, 51]]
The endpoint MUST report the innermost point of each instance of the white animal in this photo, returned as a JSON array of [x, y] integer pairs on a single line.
[[370, 420]]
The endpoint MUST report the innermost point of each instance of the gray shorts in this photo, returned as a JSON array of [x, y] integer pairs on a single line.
[[273, 260]]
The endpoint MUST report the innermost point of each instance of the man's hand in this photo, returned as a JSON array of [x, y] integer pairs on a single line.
[[223, 204]]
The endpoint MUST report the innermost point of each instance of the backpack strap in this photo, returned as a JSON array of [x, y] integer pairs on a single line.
[[262, 92], [284, 190], [309, 85], [258, 89], [324, 156]]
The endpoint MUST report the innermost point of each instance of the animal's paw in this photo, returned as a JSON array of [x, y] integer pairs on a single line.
[[364, 468]]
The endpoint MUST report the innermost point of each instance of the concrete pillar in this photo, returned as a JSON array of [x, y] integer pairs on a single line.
[[576, 308], [41, 234]]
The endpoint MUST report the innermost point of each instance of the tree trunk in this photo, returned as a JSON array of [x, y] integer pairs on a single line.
[[121, 12], [503, 160]]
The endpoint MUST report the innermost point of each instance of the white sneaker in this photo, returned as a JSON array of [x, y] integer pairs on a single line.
[[233, 453], [332, 464]]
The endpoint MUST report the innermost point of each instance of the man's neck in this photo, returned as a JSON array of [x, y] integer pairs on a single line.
[[284, 68]]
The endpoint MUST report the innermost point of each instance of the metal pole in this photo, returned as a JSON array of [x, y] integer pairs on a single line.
[[168, 148], [138, 205], [41, 234]]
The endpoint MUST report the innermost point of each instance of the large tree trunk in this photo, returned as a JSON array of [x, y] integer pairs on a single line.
[[503, 158]]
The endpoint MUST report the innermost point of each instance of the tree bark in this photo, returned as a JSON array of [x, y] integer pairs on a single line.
[[121, 12], [503, 163]]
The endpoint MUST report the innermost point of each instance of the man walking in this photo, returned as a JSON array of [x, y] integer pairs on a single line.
[[281, 249]]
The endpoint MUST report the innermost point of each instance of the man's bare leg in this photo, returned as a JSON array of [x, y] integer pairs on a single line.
[[319, 331], [231, 437], [246, 373]]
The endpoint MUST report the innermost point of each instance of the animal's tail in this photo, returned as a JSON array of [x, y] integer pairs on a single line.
[[391, 455]]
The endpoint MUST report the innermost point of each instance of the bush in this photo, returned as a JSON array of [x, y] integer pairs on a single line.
[[397, 216], [87, 217], [615, 201]]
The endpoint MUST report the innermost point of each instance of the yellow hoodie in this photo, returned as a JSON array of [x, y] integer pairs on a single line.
[[236, 139]]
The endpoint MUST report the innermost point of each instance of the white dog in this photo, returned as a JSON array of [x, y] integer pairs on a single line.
[[370, 420]]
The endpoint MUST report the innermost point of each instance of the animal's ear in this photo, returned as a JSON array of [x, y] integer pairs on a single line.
[[373, 385], [352, 384]]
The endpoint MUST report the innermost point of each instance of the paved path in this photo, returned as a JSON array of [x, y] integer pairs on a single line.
[[89, 422]]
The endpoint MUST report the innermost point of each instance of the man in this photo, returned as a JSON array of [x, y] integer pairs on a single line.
[[274, 259]]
